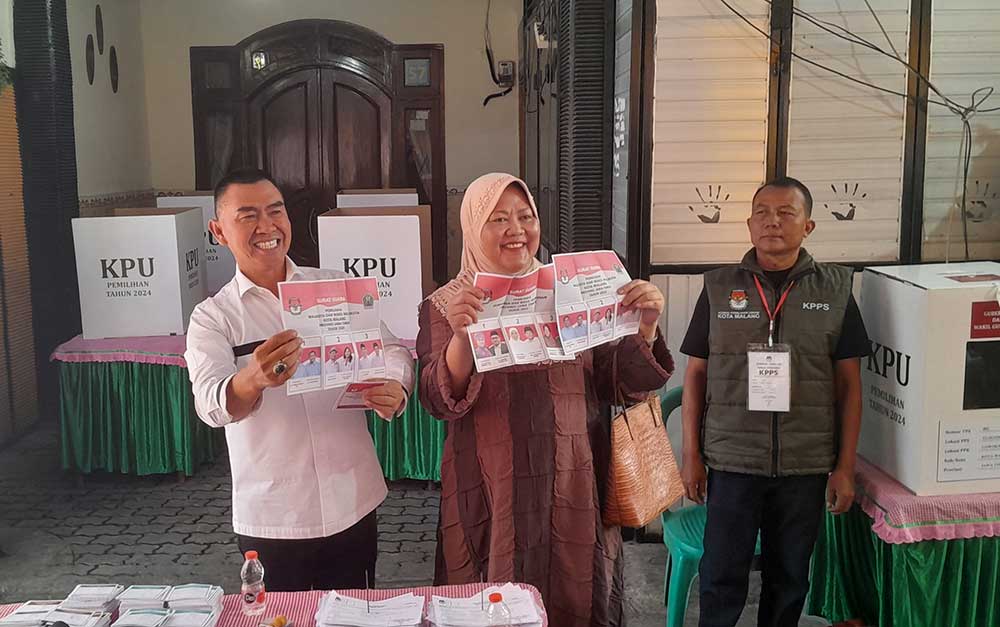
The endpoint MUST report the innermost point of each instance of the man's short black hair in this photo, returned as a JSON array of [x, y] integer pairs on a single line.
[[242, 176], [787, 182]]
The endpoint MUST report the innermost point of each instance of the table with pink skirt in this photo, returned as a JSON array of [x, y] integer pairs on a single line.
[[901, 560]]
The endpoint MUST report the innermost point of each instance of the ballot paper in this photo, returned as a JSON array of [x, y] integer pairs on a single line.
[[143, 597], [587, 301], [471, 611], [335, 610], [353, 395], [192, 618], [93, 597], [147, 617], [341, 324], [195, 596], [78, 618], [517, 324], [168, 618], [29, 614]]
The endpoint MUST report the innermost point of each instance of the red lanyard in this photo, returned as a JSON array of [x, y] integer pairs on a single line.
[[772, 316]]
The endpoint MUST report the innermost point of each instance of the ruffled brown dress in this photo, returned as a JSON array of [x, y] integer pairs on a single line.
[[524, 468]]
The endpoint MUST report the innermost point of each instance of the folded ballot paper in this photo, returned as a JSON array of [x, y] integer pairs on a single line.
[[30, 614], [553, 312], [42, 613], [143, 597], [93, 597], [168, 618], [335, 610], [471, 611]]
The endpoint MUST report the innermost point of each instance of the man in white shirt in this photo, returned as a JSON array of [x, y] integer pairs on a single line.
[[306, 480]]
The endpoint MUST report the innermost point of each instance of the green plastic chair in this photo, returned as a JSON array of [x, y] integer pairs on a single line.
[[683, 535]]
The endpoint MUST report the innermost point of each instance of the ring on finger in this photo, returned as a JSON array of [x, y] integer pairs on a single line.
[[279, 368]]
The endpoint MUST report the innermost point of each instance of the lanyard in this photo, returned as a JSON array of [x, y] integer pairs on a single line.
[[772, 315]]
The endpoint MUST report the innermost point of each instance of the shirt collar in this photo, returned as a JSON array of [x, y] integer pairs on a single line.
[[245, 284]]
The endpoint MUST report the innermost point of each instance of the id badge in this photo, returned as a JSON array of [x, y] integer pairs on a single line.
[[769, 377]]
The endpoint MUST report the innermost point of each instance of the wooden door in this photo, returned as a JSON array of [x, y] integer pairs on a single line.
[[284, 140], [317, 131], [357, 142], [324, 106]]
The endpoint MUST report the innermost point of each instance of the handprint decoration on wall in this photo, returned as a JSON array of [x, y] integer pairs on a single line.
[[981, 203], [710, 204], [847, 201]]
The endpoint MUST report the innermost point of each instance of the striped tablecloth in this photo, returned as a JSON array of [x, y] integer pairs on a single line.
[[300, 607], [901, 517], [165, 350]]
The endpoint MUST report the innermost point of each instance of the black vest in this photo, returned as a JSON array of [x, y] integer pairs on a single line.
[[804, 440]]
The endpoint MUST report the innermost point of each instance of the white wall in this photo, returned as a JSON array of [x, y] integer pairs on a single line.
[[478, 140], [112, 148], [7, 32]]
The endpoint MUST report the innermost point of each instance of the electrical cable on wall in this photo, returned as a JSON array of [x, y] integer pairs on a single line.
[[964, 113], [488, 39]]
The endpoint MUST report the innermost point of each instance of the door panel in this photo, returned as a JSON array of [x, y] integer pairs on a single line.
[[284, 141], [357, 130]]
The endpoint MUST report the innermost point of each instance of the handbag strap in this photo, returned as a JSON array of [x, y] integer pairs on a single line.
[[619, 397]]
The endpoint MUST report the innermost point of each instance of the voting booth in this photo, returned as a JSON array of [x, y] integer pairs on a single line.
[[402, 197], [385, 245], [140, 271], [931, 415], [220, 265]]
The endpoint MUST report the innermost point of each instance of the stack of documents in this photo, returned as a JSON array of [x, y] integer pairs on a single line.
[[30, 614], [93, 597], [195, 596], [167, 618], [405, 610], [471, 612], [143, 597], [41, 613]]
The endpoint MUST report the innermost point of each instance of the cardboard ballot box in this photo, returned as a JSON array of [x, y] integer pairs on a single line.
[[403, 197], [140, 271], [387, 246], [931, 397], [220, 265]]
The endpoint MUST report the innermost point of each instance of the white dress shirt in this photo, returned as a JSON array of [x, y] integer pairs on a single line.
[[301, 468]]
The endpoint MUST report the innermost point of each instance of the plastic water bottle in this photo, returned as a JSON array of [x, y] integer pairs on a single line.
[[498, 614], [252, 575]]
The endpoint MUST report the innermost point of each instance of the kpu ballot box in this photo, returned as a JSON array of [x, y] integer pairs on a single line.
[[140, 271], [931, 397]]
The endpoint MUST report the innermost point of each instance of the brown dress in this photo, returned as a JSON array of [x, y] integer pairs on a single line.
[[523, 471]]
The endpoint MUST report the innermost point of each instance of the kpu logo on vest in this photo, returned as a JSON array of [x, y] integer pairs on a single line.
[[738, 300], [122, 268]]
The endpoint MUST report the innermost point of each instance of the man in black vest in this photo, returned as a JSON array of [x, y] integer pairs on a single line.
[[772, 407]]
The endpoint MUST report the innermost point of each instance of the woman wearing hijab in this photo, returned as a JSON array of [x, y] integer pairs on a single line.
[[525, 460]]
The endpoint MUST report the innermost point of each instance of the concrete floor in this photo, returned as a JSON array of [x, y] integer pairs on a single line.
[[55, 533]]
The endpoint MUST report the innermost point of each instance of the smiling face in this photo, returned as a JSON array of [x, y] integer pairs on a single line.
[[252, 222], [510, 236]]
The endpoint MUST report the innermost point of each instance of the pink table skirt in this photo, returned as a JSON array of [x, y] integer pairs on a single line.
[[300, 607], [164, 350], [901, 517]]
